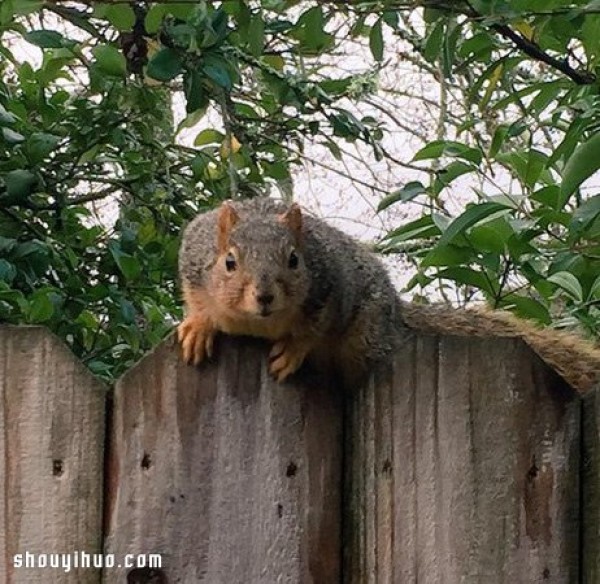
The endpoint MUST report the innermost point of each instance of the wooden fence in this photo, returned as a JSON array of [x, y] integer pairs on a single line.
[[469, 462]]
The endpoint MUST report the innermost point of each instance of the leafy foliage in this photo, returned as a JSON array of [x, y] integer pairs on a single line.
[[527, 144], [95, 186]]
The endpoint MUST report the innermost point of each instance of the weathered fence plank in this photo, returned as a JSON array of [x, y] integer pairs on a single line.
[[467, 471], [590, 515], [51, 458], [462, 465], [230, 476]]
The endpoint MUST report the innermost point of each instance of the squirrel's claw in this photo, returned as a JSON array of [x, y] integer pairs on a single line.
[[286, 357], [276, 350], [197, 338]]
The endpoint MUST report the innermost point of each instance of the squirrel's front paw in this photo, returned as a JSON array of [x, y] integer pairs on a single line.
[[196, 335], [286, 357]]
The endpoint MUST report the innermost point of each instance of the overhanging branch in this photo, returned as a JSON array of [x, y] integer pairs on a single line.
[[533, 50]]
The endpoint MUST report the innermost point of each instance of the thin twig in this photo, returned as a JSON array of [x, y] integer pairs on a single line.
[[226, 115]]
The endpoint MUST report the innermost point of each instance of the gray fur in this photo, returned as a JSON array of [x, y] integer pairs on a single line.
[[343, 275]]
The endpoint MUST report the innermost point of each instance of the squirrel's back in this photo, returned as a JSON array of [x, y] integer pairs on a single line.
[[263, 268]]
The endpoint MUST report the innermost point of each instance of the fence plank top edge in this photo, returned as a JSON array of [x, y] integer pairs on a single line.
[[168, 343], [44, 333]]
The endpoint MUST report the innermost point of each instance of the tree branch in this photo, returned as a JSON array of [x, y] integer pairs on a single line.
[[533, 50]]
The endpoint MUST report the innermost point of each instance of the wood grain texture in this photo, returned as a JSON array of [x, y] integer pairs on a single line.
[[51, 456], [230, 476], [463, 468], [590, 515]]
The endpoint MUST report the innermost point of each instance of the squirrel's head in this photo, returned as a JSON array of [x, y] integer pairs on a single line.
[[259, 269]]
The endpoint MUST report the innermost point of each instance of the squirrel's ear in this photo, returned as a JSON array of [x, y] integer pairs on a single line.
[[292, 218], [227, 219]]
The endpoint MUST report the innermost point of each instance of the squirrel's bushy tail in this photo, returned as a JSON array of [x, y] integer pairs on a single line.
[[574, 358]]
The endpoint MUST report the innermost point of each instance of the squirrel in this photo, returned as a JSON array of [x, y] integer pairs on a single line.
[[263, 268]]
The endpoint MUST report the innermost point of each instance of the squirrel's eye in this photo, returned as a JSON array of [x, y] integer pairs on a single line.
[[230, 263], [293, 260]]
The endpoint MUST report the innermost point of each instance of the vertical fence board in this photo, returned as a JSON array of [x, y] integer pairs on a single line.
[[480, 450], [51, 457], [462, 466], [228, 475], [590, 515]]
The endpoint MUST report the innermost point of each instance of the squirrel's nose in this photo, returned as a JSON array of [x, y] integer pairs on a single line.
[[265, 299]]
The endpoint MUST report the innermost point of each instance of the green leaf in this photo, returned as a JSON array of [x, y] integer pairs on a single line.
[[499, 136], [407, 193], [309, 30], [508, 64], [447, 255], [256, 35], [585, 215], [468, 277], [219, 21], [548, 196], [376, 41], [20, 183], [435, 41], [595, 289], [46, 39], [6, 12], [491, 236], [479, 45], [453, 34], [165, 65], [121, 16], [528, 165], [527, 308], [6, 117], [333, 148], [180, 10], [445, 176], [7, 244], [196, 98], [390, 17], [217, 69], [110, 60], [450, 148], [583, 163], [536, 162], [154, 18], [548, 93], [8, 272], [40, 144], [569, 283], [11, 136], [41, 308], [24, 7], [572, 138], [191, 119], [127, 310], [198, 166], [276, 170], [493, 81], [208, 136], [130, 266], [473, 215], [422, 228]]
